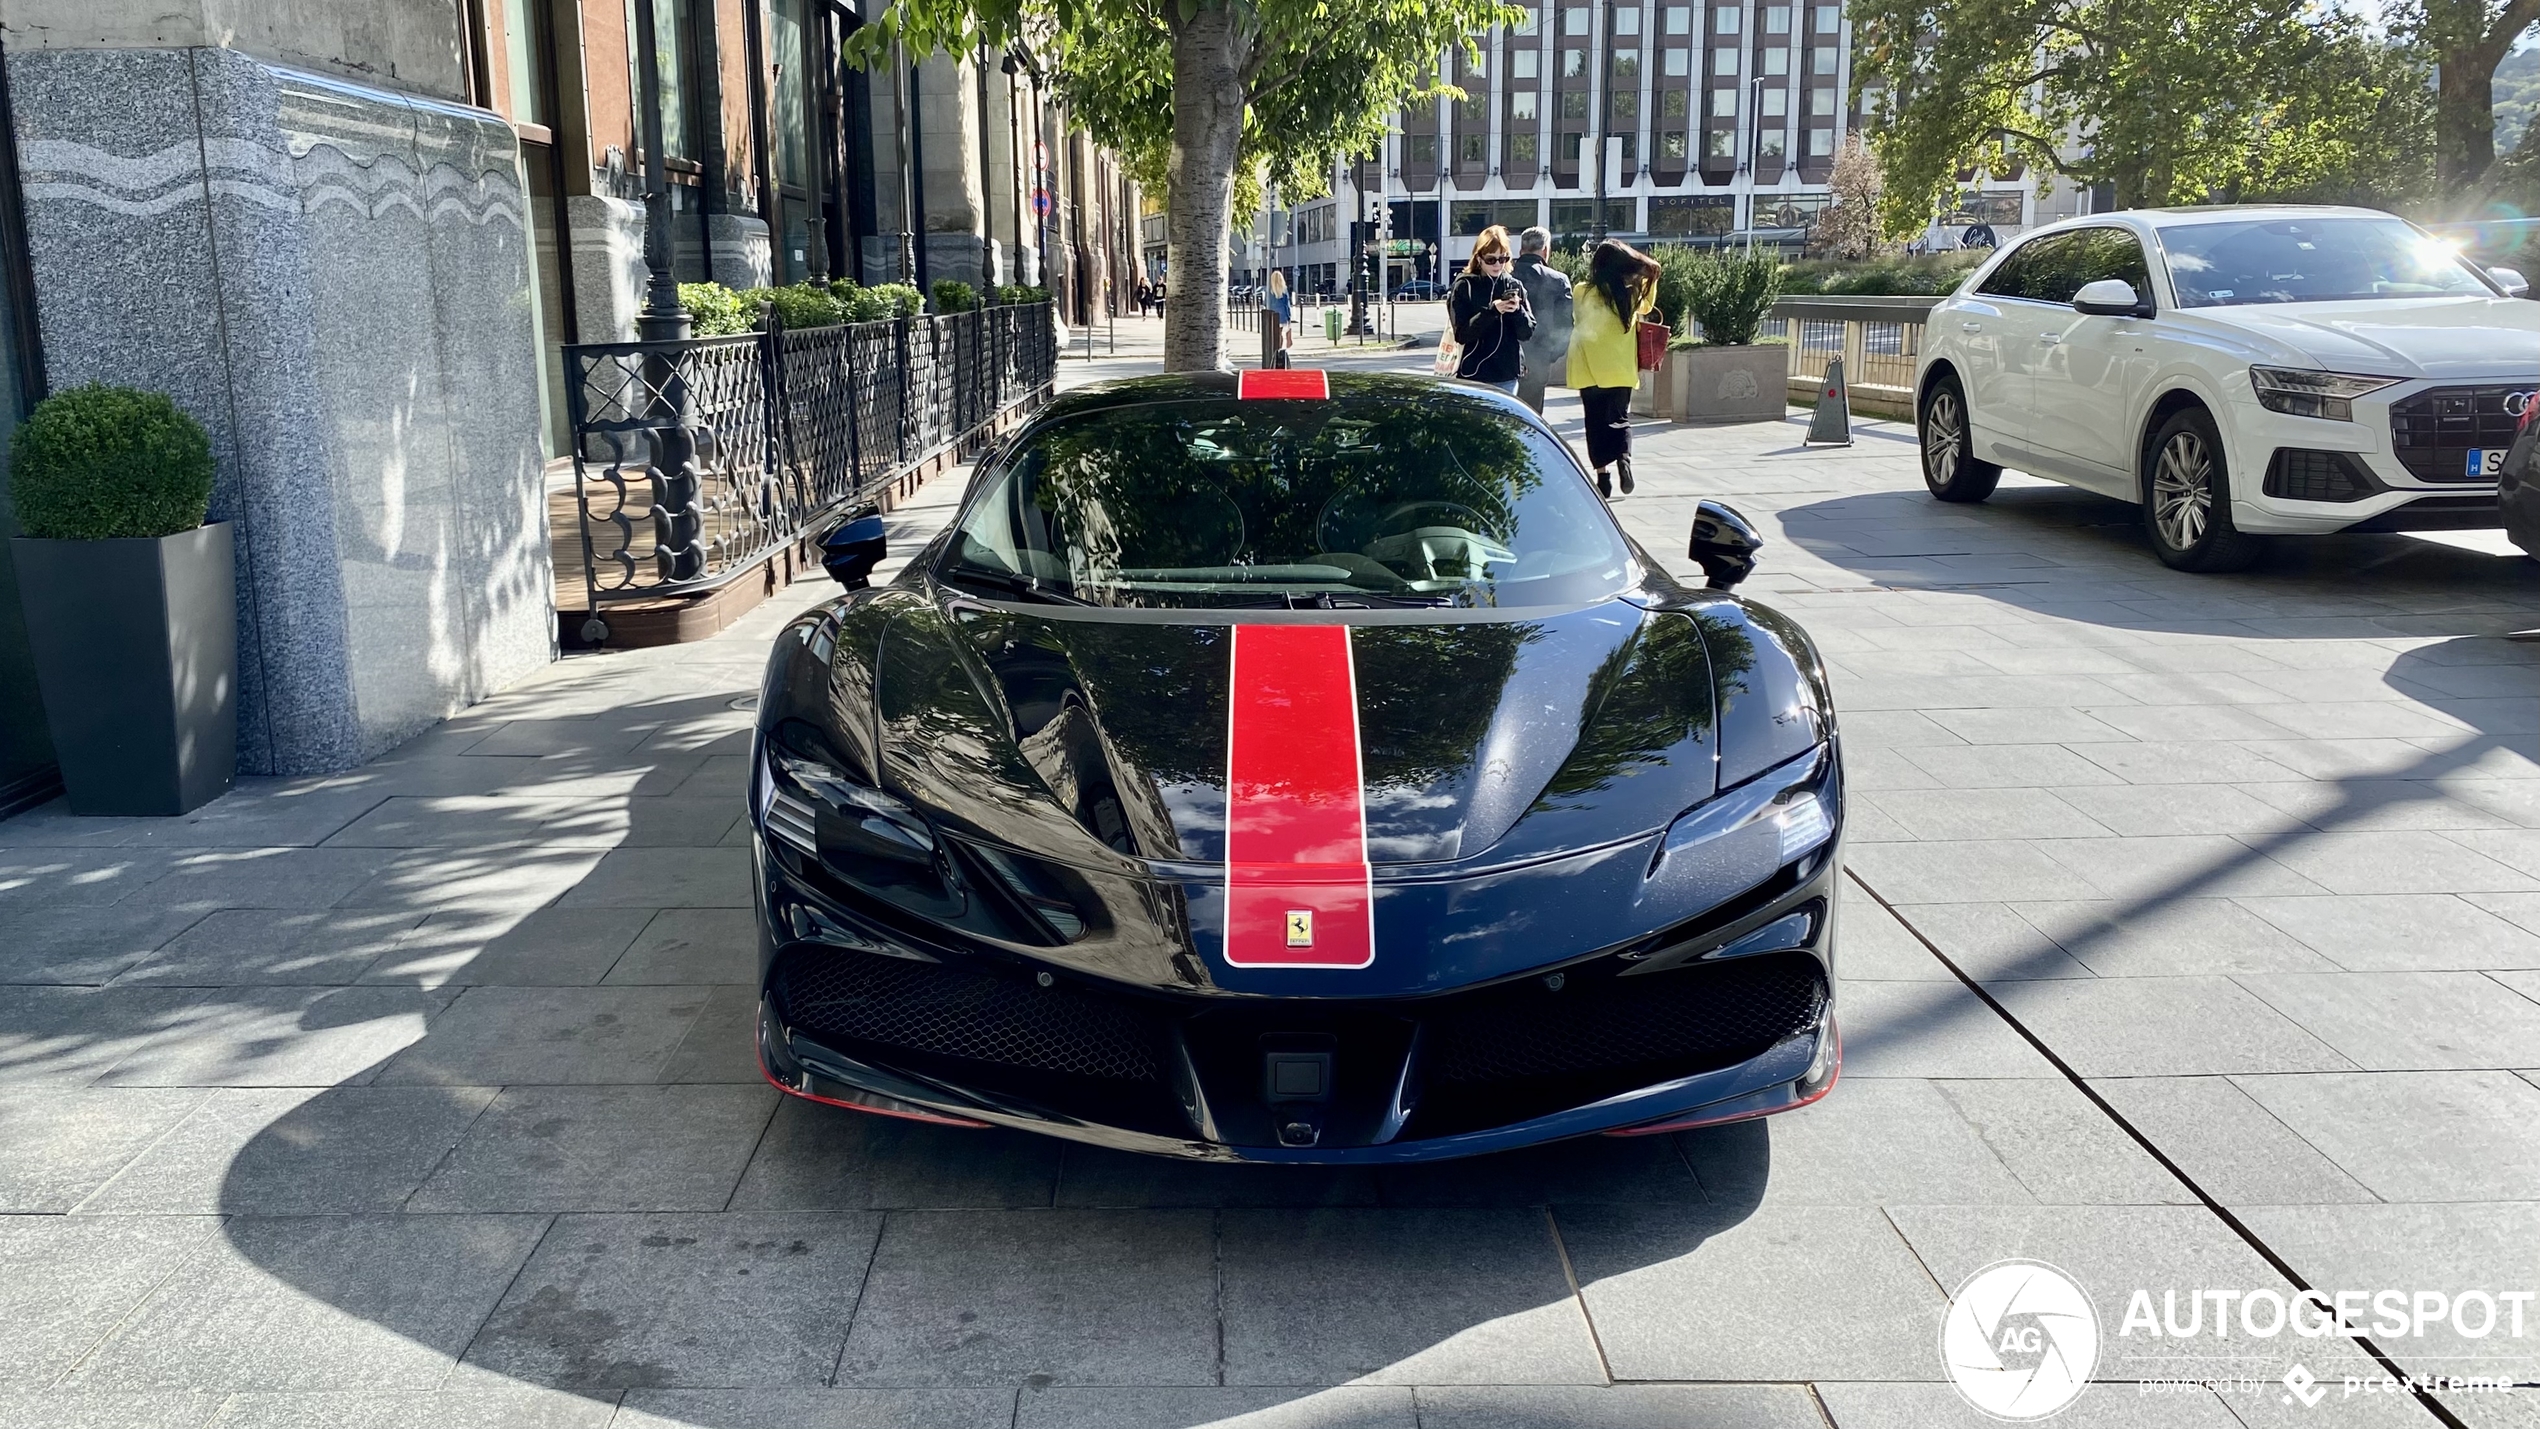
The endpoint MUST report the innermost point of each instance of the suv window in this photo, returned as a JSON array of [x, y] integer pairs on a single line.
[[2086, 256], [2053, 268], [2007, 276]]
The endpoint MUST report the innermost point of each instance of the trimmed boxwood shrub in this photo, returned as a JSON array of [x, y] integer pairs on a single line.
[[97, 462], [954, 296], [715, 310]]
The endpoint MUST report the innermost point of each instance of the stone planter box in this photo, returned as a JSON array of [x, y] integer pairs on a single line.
[[136, 648], [1725, 384]]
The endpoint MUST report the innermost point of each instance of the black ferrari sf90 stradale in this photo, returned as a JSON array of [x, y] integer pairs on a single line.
[[1298, 767]]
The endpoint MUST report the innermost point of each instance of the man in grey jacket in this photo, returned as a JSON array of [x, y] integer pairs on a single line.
[[1548, 293]]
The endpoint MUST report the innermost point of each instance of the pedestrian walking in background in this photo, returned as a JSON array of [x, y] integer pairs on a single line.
[[1281, 309], [1487, 313], [1548, 297], [1622, 284]]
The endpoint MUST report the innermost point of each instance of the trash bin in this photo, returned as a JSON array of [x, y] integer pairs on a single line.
[[1332, 325]]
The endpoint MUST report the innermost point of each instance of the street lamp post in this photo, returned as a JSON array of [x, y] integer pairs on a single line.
[[662, 319]]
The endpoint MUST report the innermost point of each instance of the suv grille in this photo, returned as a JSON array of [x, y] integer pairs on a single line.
[[2433, 433], [978, 1016]]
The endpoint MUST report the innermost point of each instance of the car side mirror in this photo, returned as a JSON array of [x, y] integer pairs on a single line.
[[1724, 544], [852, 549], [2512, 281], [2110, 298]]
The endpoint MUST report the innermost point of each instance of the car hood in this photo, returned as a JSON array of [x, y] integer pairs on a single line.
[[2466, 337], [1577, 727]]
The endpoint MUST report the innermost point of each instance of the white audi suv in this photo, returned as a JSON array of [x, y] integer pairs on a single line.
[[2240, 372]]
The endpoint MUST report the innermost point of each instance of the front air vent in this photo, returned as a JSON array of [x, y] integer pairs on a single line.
[[2318, 476]]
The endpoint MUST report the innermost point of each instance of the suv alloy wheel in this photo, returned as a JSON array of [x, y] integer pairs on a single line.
[[1950, 468], [2187, 498]]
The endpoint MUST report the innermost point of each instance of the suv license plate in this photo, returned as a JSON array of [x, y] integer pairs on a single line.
[[2487, 463]]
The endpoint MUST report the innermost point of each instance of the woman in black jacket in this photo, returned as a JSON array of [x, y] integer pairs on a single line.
[[1489, 315]]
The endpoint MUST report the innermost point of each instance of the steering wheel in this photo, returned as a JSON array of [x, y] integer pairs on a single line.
[[1458, 515]]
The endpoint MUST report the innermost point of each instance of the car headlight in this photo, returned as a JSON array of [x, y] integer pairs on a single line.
[[1787, 799], [873, 822], [2298, 392]]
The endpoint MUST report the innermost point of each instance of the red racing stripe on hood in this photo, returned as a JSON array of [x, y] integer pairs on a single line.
[[1297, 883]]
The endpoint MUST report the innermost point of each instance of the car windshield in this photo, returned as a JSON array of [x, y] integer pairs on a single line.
[[2312, 260], [1421, 499]]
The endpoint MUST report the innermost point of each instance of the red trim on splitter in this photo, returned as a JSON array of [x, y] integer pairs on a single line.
[[1311, 383], [1298, 889], [900, 1110]]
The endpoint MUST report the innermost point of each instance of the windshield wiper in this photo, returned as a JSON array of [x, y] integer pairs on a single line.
[[1010, 583]]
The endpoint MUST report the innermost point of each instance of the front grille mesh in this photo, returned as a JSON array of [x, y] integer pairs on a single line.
[[1684, 1021], [2433, 432], [977, 1016]]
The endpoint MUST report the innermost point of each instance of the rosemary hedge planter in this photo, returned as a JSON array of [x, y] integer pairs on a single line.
[[136, 648], [131, 604]]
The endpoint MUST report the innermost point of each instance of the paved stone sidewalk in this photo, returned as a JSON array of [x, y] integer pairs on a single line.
[[424, 1095]]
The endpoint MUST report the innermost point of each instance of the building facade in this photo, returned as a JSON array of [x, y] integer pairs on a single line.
[[351, 237], [1655, 121]]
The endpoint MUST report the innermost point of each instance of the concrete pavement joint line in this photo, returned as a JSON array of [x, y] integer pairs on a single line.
[[872, 1254], [763, 1128], [2221, 1212], [144, 1298], [456, 1141], [1578, 1297], [494, 1306]]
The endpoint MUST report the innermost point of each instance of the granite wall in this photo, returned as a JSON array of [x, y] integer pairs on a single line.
[[335, 279]]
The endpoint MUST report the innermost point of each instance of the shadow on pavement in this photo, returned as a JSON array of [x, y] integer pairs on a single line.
[[2102, 573], [481, 1107]]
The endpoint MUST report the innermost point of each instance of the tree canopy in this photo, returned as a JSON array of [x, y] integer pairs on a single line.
[[1200, 92], [2166, 101]]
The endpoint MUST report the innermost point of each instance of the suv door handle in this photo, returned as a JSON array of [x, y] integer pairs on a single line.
[[2051, 339], [1970, 327]]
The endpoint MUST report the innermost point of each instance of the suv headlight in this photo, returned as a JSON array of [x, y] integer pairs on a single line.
[[2298, 392]]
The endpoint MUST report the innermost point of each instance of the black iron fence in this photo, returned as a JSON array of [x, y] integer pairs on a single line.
[[694, 461]]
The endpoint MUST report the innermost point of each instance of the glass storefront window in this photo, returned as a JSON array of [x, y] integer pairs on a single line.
[[793, 94], [670, 29], [1692, 217], [520, 62]]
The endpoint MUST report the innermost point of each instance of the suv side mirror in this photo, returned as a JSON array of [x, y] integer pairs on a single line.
[[1724, 544], [852, 549], [2110, 298], [2512, 281]]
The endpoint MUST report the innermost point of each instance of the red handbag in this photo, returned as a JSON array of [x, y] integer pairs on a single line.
[[1653, 343]]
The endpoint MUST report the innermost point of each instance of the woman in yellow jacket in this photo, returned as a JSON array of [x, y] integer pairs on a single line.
[[1621, 286]]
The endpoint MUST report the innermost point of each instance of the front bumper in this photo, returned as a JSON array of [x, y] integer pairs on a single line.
[[2397, 500], [1728, 1018]]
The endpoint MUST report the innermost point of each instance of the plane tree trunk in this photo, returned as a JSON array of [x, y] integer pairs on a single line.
[[1208, 130]]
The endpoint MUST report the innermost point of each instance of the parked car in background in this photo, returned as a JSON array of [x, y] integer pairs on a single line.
[[1419, 290], [2240, 372]]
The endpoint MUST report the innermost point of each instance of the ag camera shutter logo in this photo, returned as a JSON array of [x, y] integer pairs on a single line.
[[2020, 1340]]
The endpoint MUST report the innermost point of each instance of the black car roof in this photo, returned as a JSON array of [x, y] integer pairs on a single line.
[[1344, 385]]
